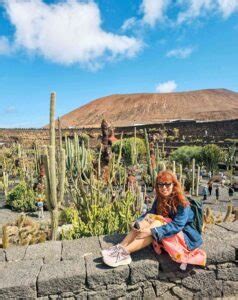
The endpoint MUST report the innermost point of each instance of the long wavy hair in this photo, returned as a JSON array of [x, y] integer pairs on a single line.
[[170, 203]]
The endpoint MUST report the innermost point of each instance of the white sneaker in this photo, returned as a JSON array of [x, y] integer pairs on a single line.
[[110, 251], [120, 257], [183, 266]]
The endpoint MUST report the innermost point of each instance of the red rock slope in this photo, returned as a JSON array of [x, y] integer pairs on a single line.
[[129, 109]]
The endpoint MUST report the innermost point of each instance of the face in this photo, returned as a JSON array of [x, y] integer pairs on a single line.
[[165, 188]]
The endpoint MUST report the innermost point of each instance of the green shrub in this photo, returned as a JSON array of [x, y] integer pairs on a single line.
[[128, 148], [104, 218], [171, 138], [185, 154], [68, 215], [22, 198], [211, 156]]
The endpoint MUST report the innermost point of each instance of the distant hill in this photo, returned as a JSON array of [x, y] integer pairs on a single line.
[[130, 109]]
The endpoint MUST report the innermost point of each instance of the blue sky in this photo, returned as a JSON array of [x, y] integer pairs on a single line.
[[84, 50]]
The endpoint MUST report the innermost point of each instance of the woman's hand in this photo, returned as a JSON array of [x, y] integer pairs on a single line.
[[143, 233], [133, 227]]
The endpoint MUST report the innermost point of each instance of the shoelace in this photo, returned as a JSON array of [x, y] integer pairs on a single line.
[[121, 255], [114, 251]]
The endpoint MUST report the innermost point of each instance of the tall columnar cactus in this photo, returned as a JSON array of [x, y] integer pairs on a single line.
[[193, 176], [5, 184], [54, 196], [180, 173], [19, 152], [198, 179], [163, 151], [134, 149], [174, 167], [228, 213], [148, 153]]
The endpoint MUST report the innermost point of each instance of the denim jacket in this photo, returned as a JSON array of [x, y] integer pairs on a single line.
[[181, 221]]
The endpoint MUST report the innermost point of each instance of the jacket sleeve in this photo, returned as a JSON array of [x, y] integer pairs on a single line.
[[173, 227], [151, 211]]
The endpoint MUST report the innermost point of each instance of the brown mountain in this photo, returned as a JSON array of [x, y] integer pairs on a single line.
[[129, 109]]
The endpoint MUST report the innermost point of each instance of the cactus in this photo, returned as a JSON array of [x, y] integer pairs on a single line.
[[120, 150], [23, 231], [198, 178], [208, 217], [149, 167], [180, 173], [174, 167], [193, 176], [53, 198], [228, 213], [134, 149], [5, 184]]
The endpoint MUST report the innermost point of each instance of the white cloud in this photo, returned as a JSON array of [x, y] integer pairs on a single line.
[[67, 32], [4, 46], [128, 24], [166, 87], [227, 7], [154, 11], [180, 52], [192, 9]]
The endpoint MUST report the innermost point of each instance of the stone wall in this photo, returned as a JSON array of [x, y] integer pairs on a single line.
[[74, 270], [218, 129]]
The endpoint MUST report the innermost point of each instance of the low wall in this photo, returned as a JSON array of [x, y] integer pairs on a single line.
[[74, 270], [217, 130]]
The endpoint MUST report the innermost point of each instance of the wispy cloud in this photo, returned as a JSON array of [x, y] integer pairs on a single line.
[[10, 109], [228, 7], [192, 9], [180, 52], [5, 47], [68, 32], [154, 11], [128, 24], [166, 87]]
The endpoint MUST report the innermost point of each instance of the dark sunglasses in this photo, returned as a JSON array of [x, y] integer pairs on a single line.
[[166, 184]]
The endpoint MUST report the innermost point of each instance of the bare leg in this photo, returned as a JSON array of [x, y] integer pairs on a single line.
[[138, 244], [129, 238]]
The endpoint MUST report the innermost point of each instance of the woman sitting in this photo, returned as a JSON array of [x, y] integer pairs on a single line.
[[167, 225]]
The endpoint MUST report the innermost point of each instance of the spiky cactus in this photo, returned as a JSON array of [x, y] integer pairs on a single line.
[[54, 197], [180, 173], [193, 176], [198, 179], [5, 184], [228, 213], [174, 167]]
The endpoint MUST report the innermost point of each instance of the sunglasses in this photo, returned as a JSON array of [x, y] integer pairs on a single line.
[[166, 184]]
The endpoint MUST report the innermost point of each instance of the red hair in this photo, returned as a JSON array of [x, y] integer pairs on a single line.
[[170, 203]]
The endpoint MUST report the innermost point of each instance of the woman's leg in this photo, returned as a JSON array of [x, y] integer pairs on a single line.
[[138, 244], [129, 238]]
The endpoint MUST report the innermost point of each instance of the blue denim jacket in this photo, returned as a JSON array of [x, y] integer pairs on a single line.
[[181, 221]]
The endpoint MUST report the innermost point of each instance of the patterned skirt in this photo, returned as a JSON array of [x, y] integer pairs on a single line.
[[177, 249]]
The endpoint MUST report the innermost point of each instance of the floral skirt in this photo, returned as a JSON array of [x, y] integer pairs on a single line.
[[177, 249]]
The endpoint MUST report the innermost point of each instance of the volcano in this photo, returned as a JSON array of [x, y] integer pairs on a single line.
[[146, 108]]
